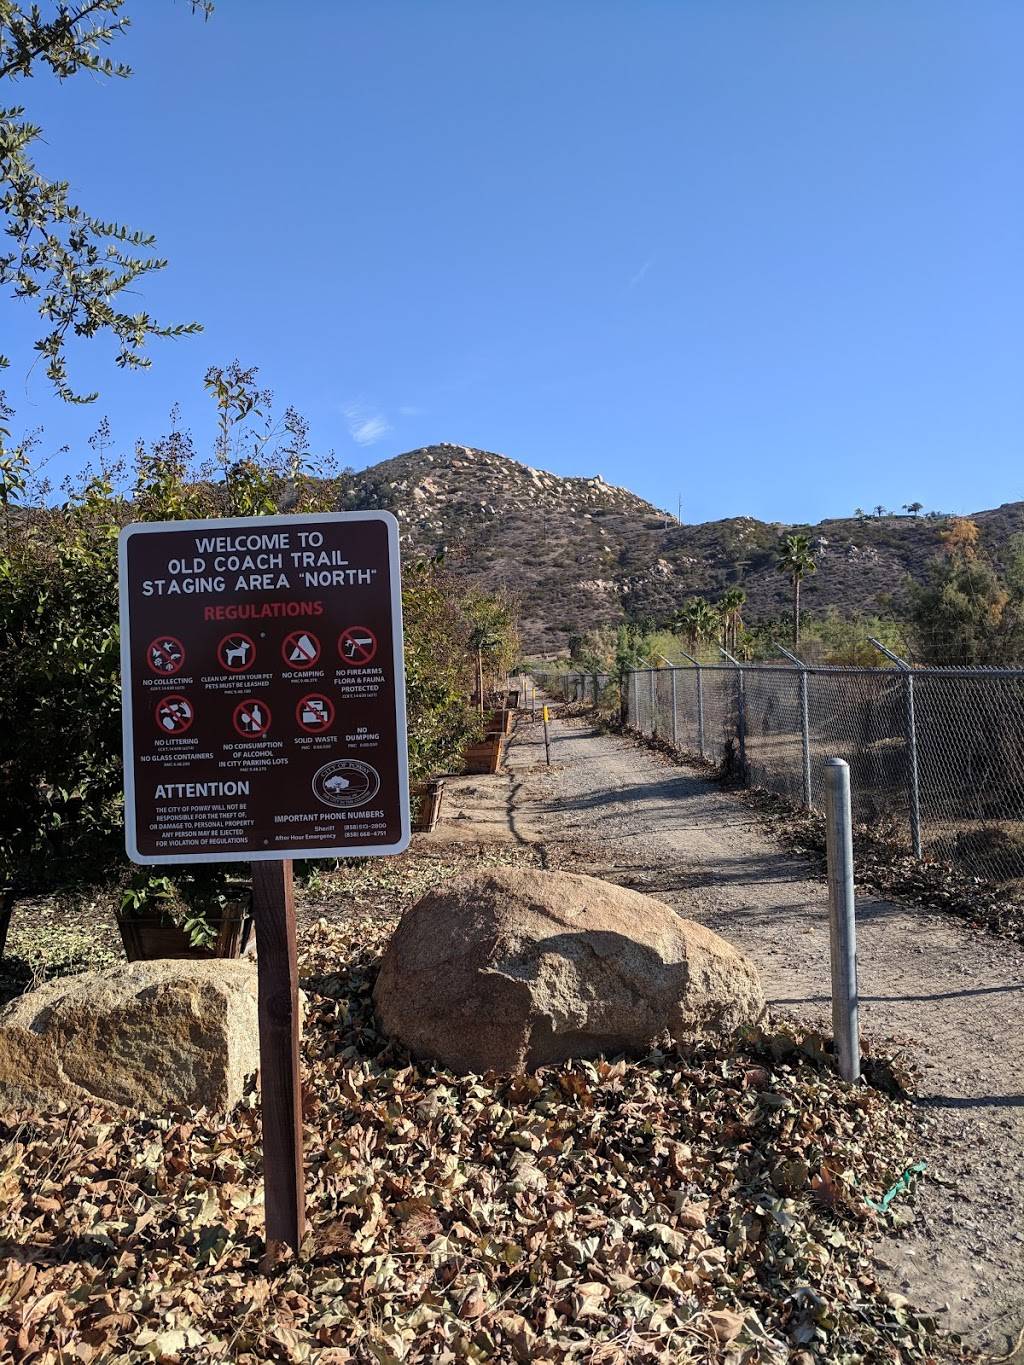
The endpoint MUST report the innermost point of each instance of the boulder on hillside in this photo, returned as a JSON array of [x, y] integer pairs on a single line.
[[510, 969], [150, 1036]]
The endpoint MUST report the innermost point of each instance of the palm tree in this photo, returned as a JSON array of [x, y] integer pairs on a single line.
[[730, 608], [796, 562], [698, 620]]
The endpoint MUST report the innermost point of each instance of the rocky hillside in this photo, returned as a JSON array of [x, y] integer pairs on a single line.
[[581, 552]]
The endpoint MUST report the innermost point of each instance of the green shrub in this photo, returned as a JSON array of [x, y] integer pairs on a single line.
[[61, 815]]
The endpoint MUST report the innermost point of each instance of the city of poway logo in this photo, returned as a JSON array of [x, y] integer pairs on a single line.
[[346, 783]]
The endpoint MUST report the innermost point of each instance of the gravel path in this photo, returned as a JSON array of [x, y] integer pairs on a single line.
[[954, 997]]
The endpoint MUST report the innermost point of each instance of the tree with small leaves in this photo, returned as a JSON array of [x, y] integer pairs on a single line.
[[913, 508], [72, 265]]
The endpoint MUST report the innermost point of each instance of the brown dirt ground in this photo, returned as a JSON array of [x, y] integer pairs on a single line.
[[947, 995]]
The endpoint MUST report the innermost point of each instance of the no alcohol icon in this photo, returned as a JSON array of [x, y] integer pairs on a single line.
[[251, 718]]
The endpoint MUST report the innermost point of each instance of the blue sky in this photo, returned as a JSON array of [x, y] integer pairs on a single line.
[[765, 254]]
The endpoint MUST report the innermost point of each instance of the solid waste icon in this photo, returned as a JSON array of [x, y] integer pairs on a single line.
[[315, 713]]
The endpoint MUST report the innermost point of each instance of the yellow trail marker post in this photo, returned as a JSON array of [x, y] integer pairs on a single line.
[[547, 740]]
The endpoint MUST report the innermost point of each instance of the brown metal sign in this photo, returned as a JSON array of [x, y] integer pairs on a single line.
[[264, 692]]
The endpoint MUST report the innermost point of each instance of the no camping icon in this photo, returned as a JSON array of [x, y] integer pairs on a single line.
[[300, 649]]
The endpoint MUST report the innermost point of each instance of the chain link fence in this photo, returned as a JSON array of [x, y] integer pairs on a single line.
[[594, 688], [936, 755]]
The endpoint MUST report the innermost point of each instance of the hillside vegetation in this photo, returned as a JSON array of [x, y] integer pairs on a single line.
[[582, 553]]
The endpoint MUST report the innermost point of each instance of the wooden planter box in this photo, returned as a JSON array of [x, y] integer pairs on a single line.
[[499, 722], [484, 757], [148, 936], [426, 805]]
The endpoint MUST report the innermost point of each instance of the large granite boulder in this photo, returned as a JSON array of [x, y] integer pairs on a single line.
[[510, 969], [149, 1036]]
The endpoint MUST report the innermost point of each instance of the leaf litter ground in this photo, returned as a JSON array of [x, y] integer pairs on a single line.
[[690, 1206]]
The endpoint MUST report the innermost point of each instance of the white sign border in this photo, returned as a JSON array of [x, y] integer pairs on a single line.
[[226, 525]]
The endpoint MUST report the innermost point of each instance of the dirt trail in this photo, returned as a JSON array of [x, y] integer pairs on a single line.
[[616, 810]]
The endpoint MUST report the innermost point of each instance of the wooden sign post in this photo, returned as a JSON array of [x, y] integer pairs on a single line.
[[264, 720], [284, 1193]]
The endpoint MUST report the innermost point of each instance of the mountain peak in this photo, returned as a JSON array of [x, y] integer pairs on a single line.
[[580, 552]]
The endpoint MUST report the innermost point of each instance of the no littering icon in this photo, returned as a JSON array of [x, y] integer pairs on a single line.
[[174, 715]]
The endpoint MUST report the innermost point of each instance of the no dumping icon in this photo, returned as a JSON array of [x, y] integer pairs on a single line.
[[357, 645], [251, 718]]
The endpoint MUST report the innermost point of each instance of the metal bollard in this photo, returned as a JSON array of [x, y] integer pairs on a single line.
[[842, 922]]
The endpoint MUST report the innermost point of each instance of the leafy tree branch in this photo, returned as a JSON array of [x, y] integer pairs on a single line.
[[73, 265]]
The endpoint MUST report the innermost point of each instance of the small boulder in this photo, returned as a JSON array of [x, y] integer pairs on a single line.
[[148, 1036], [511, 969]]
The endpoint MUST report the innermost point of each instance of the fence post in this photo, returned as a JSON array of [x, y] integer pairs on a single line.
[[805, 724], [675, 722], [910, 727], [654, 702], [700, 700], [741, 717], [842, 921]]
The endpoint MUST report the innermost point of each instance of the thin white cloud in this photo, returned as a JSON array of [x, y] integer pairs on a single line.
[[635, 279], [408, 410], [365, 427]]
